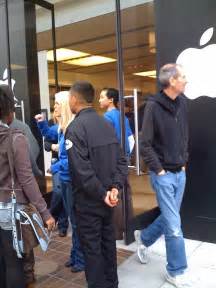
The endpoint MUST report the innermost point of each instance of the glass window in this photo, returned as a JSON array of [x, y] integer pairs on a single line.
[[139, 56], [86, 50], [3, 45]]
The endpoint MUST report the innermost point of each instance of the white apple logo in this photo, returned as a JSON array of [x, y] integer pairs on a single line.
[[5, 81], [200, 68]]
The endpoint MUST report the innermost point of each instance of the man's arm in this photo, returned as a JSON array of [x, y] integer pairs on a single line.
[[186, 127], [80, 165], [121, 170], [146, 141], [46, 131]]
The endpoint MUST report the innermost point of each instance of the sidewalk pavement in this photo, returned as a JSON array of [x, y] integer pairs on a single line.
[[50, 271], [201, 263]]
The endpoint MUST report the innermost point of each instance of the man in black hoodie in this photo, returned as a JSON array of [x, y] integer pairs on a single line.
[[164, 144]]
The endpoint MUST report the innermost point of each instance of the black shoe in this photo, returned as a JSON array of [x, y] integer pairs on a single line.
[[75, 269], [62, 234], [68, 264]]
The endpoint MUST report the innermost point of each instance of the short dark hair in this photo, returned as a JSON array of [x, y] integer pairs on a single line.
[[112, 93], [6, 101], [85, 90]]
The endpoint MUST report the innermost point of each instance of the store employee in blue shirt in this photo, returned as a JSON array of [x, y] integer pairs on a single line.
[[109, 99]]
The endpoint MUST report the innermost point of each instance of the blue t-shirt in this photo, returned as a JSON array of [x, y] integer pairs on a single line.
[[113, 116]]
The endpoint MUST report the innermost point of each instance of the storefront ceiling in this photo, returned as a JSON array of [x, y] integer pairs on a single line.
[[97, 36]]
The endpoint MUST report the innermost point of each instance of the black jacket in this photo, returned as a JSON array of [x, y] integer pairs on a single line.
[[164, 137], [95, 158]]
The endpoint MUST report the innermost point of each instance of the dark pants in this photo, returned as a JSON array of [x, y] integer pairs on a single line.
[[97, 237], [28, 265], [57, 207], [119, 224], [76, 254], [11, 267]]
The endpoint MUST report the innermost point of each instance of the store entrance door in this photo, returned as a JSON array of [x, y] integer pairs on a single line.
[[19, 60]]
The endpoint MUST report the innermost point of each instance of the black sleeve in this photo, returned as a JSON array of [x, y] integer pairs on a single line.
[[121, 170], [47, 145], [80, 165], [186, 127], [146, 140]]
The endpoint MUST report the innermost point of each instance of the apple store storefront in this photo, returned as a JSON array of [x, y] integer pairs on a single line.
[[121, 44]]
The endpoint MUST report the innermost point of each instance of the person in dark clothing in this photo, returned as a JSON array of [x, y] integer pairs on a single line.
[[109, 99], [129, 113], [99, 171], [164, 146]]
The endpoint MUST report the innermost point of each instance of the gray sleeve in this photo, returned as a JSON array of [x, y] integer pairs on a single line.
[[34, 148], [25, 177]]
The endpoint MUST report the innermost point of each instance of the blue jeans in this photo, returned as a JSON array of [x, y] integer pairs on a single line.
[[169, 190], [76, 255], [57, 207]]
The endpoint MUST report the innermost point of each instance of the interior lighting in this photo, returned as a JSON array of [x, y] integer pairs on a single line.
[[63, 54], [152, 42], [151, 74], [17, 67], [90, 61]]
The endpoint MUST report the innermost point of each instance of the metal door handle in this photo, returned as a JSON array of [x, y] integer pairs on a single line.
[[134, 96]]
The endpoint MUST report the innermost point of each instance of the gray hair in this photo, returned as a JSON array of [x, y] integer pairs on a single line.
[[166, 72]]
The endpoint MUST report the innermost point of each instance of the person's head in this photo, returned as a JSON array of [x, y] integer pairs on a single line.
[[109, 97], [62, 109], [172, 76], [81, 96], [6, 104]]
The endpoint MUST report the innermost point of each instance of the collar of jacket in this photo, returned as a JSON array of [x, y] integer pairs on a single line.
[[167, 103], [85, 110]]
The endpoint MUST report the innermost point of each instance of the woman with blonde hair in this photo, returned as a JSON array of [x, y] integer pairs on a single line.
[[57, 207], [62, 110]]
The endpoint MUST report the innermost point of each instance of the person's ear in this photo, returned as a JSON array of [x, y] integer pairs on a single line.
[[10, 118], [172, 81]]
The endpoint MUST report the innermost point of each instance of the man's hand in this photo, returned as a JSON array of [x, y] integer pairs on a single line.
[[39, 117], [162, 172], [108, 201], [55, 147], [114, 196], [50, 224]]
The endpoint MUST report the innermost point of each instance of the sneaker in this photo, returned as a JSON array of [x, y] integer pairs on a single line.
[[75, 269], [141, 248], [179, 281], [68, 264], [62, 233]]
